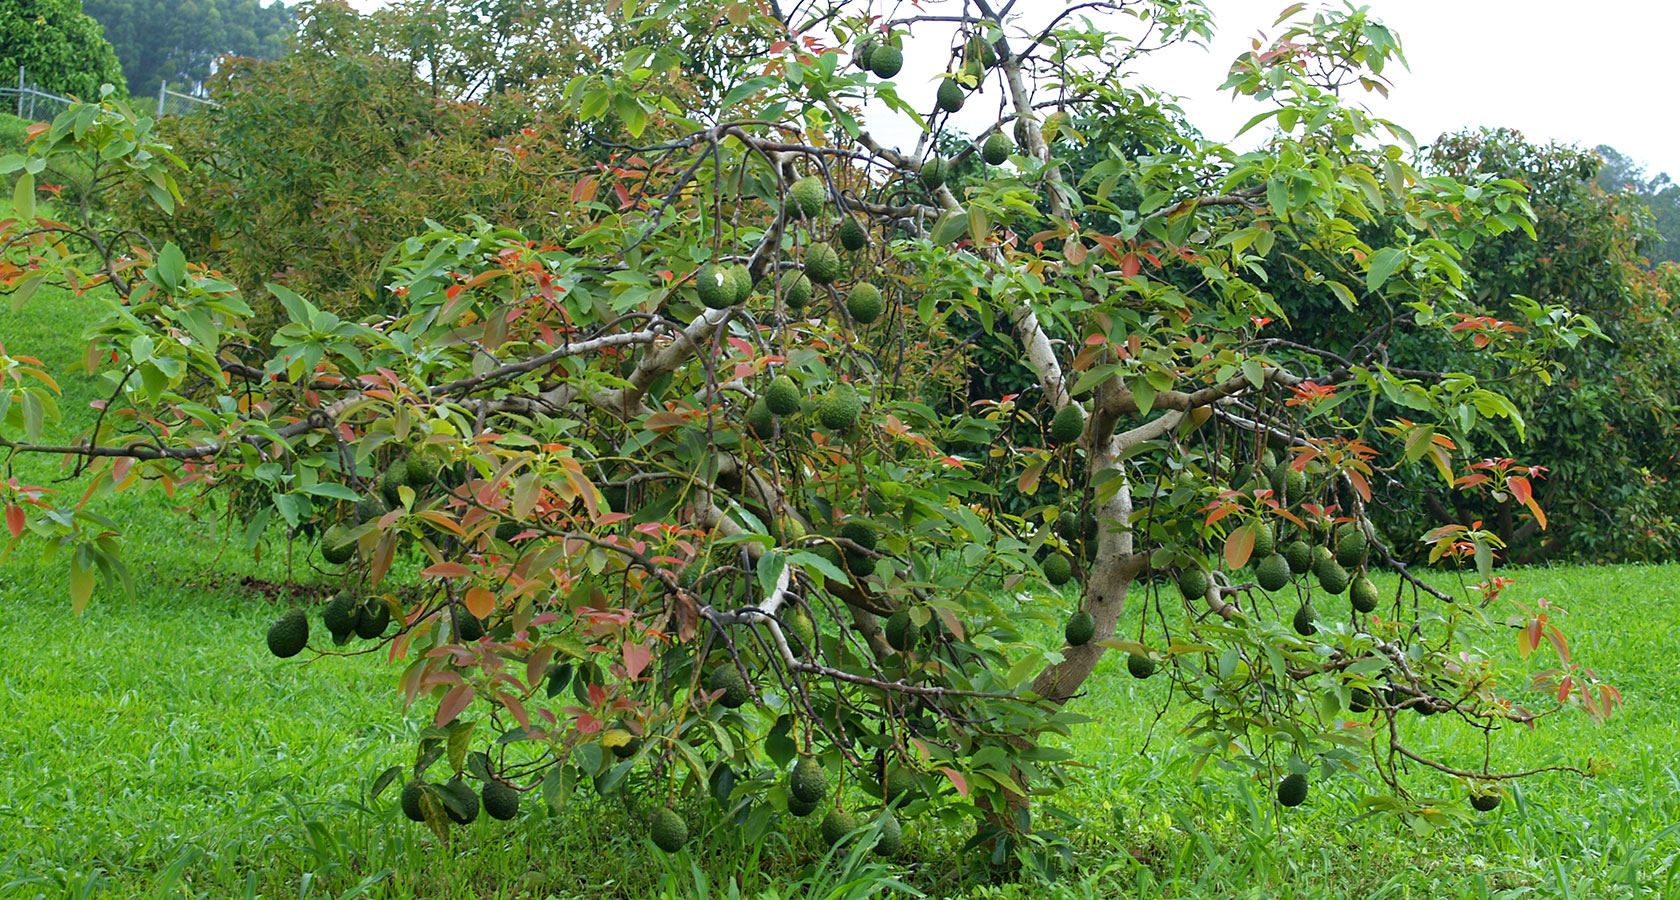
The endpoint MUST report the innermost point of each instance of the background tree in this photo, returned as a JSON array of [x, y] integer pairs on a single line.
[[684, 520], [59, 47], [178, 41], [1659, 192]]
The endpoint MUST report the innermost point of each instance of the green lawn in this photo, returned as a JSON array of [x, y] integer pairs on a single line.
[[152, 748]]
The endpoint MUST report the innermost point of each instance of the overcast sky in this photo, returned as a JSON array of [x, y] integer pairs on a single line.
[[1603, 73], [1553, 70]]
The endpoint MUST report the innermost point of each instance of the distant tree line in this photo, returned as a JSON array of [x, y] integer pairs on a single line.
[[178, 41], [1659, 192]]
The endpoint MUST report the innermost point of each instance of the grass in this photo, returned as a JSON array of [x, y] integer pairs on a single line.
[[152, 748]]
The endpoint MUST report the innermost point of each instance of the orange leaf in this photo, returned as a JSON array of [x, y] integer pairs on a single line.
[[480, 602], [1239, 546], [957, 781], [453, 703], [446, 570], [14, 519], [1529, 640]]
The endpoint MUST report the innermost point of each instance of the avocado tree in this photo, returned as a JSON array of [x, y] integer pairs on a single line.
[[694, 501]]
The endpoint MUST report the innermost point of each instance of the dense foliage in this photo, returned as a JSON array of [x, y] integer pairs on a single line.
[[179, 41], [59, 47], [692, 516]]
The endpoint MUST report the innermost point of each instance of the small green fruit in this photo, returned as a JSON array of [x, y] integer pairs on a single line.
[[950, 95], [800, 808], [1351, 546], [807, 782], [668, 830], [796, 290], [934, 172], [500, 800], [464, 811], [741, 278], [1058, 569], [859, 532], [760, 421], [1292, 791], [341, 614], [1362, 593], [1265, 541], [891, 838], [808, 194], [900, 782], [1484, 802], [822, 264], [727, 679], [852, 236], [716, 286], [468, 629], [1303, 621], [1332, 577], [1273, 572], [838, 823], [886, 61], [1068, 424], [411, 794], [996, 149], [1080, 628], [1139, 665], [374, 619], [782, 396], [864, 303], [289, 633], [902, 633], [840, 407], [336, 546], [1299, 555], [1193, 583]]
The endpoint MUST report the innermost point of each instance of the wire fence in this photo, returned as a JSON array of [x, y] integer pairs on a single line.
[[29, 101]]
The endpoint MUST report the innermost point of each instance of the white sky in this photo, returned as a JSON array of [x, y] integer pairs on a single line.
[[1553, 70]]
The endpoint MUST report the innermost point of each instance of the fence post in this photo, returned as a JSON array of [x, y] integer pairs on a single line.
[[163, 87], [20, 92]]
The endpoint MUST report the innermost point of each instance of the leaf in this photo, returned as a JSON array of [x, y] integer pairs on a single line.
[[1383, 264], [446, 570], [384, 780], [957, 780], [171, 266], [81, 578], [480, 601], [23, 196], [1239, 546], [951, 225], [456, 700], [14, 519], [636, 658]]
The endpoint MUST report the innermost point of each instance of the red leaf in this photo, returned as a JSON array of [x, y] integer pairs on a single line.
[[453, 702], [1564, 687], [957, 781], [1558, 643], [14, 519], [1129, 265], [516, 708], [636, 658], [446, 570]]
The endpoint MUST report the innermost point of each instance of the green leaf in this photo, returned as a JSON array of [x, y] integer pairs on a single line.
[[951, 225], [23, 196], [1383, 264], [171, 266], [330, 489]]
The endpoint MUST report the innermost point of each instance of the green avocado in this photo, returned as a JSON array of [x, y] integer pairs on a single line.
[[1080, 628], [822, 264], [996, 149], [949, 97], [668, 830], [1068, 424], [840, 407], [864, 303], [1292, 791], [808, 194], [289, 634], [886, 61]]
